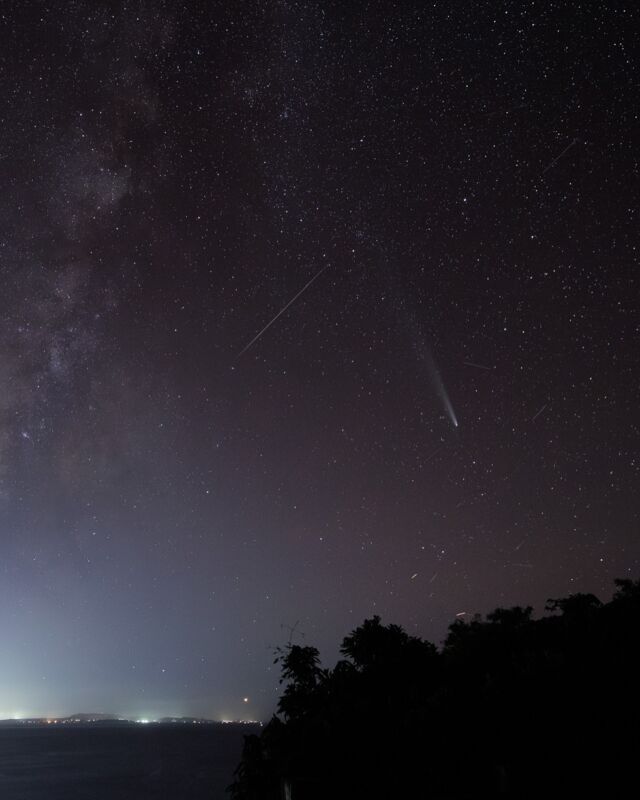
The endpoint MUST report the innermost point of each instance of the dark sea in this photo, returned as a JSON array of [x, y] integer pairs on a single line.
[[140, 762]]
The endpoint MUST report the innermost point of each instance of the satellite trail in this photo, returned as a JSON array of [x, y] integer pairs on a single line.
[[281, 312], [477, 366], [440, 389], [535, 416], [558, 157]]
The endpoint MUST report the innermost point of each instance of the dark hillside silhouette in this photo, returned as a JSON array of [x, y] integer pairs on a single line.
[[511, 707]]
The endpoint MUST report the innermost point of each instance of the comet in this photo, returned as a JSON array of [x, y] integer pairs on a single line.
[[440, 388]]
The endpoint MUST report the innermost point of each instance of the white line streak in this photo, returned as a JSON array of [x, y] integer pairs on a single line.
[[477, 366], [535, 416], [281, 312], [434, 454], [557, 158]]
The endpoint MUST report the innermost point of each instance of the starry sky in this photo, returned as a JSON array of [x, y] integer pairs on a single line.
[[308, 311]]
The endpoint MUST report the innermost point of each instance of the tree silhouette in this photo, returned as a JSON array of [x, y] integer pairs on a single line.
[[302, 674], [576, 605], [511, 706]]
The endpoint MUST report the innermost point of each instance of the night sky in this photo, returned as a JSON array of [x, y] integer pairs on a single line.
[[443, 419]]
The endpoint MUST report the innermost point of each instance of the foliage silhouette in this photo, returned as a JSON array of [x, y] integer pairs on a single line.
[[511, 707]]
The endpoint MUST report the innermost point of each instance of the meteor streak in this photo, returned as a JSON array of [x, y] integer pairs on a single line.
[[477, 366], [281, 312], [535, 416], [558, 157]]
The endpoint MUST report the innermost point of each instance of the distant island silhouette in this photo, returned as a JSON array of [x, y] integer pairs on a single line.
[[85, 718]]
